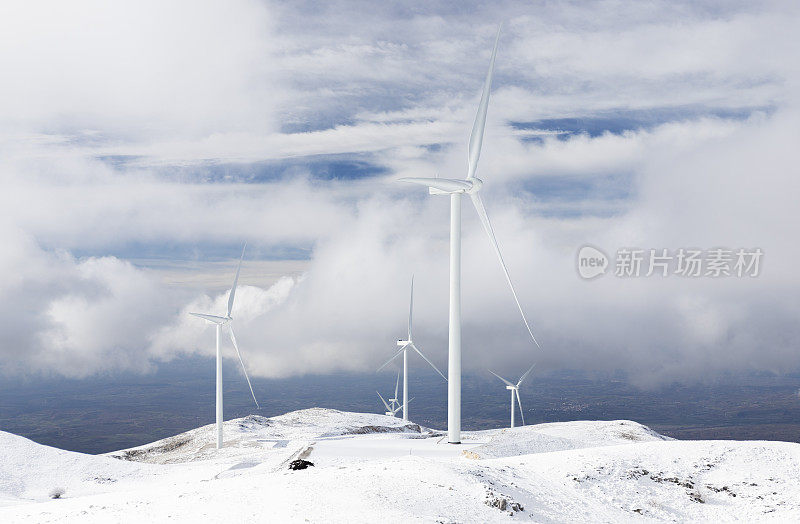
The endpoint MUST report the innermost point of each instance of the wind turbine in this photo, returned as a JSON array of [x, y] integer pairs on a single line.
[[454, 187], [393, 401], [515, 391], [405, 345], [392, 411], [219, 322]]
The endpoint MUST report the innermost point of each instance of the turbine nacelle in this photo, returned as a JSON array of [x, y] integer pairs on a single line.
[[214, 319], [446, 186], [401, 343]]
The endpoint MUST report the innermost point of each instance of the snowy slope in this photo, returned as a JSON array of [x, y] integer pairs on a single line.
[[375, 468], [559, 436], [29, 471]]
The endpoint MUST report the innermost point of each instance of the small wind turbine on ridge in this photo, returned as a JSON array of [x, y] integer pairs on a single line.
[[226, 321], [391, 411], [515, 391], [405, 345], [393, 401]]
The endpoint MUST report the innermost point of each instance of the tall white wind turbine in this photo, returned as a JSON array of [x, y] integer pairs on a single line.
[[226, 321], [391, 411], [515, 391], [454, 187], [405, 346]]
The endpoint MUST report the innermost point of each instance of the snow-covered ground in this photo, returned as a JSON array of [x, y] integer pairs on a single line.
[[374, 468]]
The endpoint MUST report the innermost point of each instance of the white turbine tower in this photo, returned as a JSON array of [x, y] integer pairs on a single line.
[[391, 410], [405, 345], [219, 322], [456, 188], [515, 391]]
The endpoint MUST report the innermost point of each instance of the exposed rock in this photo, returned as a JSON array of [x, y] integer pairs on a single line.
[[299, 464], [364, 430], [170, 444], [503, 503]]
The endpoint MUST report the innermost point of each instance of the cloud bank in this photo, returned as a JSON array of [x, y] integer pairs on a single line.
[[187, 128]]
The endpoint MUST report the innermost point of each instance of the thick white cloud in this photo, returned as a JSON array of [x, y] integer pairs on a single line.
[[136, 70], [74, 317], [181, 89]]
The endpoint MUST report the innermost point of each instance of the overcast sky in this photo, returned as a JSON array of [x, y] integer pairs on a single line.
[[141, 143]]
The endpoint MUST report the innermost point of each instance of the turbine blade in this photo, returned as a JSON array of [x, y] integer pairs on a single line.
[[501, 378], [401, 407], [476, 137], [525, 375], [426, 360], [521, 414], [393, 357], [211, 318], [235, 281], [238, 354], [487, 226], [410, 307], [384, 403], [443, 184], [397, 384]]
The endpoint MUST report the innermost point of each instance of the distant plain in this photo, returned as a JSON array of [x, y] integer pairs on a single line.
[[111, 412]]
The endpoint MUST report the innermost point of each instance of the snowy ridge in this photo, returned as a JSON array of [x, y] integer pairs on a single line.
[[560, 436], [253, 433], [371, 468]]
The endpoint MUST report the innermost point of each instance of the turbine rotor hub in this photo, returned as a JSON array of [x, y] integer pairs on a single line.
[[477, 184]]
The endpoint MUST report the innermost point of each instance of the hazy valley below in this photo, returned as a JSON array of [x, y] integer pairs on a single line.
[[106, 413]]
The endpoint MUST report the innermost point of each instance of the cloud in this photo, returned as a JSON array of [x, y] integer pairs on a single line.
[[344, 314], [149, 128], [139, 71], [102, 323], [75, 317]]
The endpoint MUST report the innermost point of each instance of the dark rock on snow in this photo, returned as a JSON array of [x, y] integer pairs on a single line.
[[299, 464]]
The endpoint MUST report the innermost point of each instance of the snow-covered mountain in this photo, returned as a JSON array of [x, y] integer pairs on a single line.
[[370, 468]]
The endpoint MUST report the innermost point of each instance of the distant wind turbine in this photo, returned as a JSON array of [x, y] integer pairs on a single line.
[[392, 411], [515, 391], [455, 188], [393, 401], [219, 322], [405, 345]]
